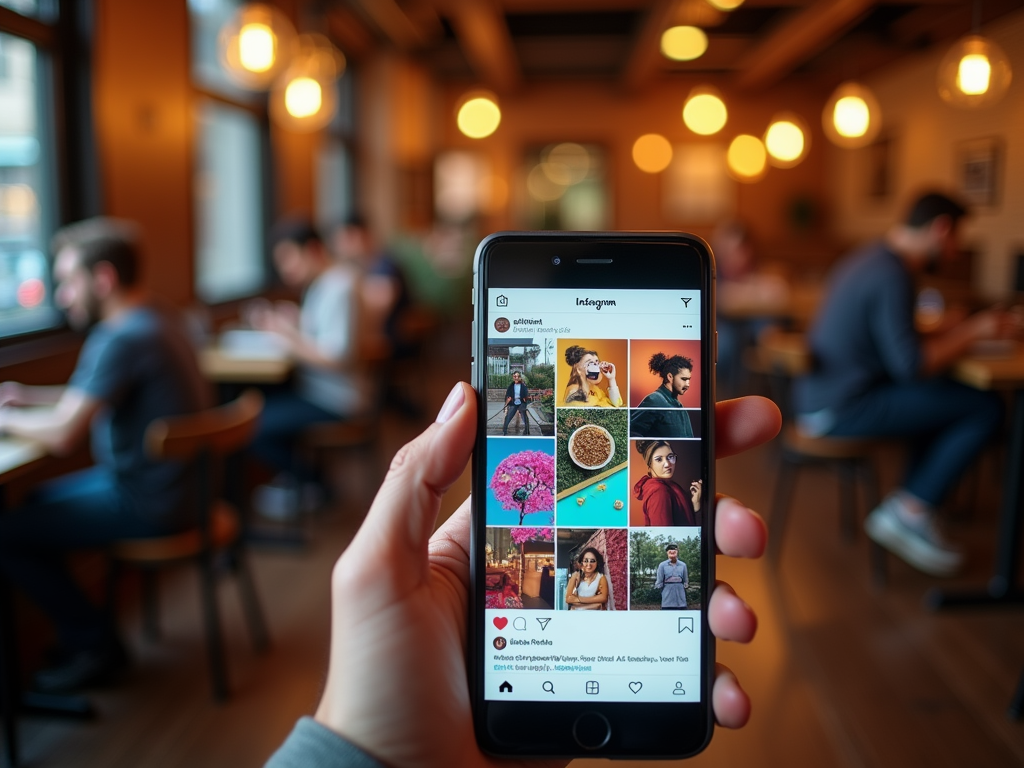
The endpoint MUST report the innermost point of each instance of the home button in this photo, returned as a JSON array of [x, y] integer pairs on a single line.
[[592, 730]]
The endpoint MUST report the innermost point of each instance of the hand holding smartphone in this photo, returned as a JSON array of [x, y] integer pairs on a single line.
[[614, 332]]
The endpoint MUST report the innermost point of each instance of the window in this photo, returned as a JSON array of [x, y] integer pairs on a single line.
[[27, 200], [228, 204], [230, 178]]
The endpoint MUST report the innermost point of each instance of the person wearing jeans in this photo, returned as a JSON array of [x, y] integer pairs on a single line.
[[875, 375]]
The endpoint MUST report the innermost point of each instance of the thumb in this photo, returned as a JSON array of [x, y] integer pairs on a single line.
[[404, 511]]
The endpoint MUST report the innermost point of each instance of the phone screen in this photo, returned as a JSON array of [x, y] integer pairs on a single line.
[[593, 472]]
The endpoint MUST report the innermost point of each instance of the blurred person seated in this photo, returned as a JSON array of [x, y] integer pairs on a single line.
[[136, 365], [747, 298], [322, 336], [875, 375], [385, 298]]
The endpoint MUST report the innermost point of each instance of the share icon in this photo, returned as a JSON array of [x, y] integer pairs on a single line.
[[543, 624]]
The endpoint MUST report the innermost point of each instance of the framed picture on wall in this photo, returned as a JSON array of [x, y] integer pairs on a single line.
[[978, 171]]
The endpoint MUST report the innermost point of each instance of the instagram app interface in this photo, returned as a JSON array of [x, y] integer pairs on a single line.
[[595, 495]]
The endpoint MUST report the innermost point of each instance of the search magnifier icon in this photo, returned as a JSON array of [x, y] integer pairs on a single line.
[[548, 687]]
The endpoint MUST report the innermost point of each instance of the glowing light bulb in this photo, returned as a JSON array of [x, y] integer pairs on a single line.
[[652, 153], [256, 44], [479, 117], [684, 43], [705, 113], [303, 97], [786, 140], [973, 74], [747, 158], [851, 116]]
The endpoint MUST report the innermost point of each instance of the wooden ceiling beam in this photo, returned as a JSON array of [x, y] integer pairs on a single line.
[[350, 34], [645, 57], [798, 38], [393, 22], [486, 42]]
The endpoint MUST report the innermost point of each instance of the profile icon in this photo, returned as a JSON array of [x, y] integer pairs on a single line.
[[501, 325], [500, 643]]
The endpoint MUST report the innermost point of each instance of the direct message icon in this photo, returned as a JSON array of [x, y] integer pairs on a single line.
[[686, 624], [543, 624]]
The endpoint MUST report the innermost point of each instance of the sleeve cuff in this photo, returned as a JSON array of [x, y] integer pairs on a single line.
[[311, 745]]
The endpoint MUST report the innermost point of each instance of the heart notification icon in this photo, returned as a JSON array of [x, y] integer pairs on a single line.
[[500, 622]]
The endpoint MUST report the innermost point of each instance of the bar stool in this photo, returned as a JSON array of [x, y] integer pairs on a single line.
[[785, 355], [204, 438]]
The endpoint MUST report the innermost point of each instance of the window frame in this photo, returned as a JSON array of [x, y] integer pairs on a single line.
[[62, 39], [257, 106]]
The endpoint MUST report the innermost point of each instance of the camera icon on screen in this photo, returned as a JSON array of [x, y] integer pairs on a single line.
[[502, 300]]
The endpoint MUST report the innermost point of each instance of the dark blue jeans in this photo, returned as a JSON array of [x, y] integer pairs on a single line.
[[284, 416], [947, 425], [83, 510]]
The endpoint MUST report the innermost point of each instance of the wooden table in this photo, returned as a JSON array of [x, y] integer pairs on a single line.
[[998, 373], [224, 367], [17, 456]]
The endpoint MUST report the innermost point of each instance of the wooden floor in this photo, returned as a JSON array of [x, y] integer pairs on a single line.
[[841, 674]]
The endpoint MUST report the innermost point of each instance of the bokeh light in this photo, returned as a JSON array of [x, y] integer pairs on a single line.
[[479, 117], [652, 153], [747, 158], [786, 140], [704, 112], [684, 43], [851, 117]]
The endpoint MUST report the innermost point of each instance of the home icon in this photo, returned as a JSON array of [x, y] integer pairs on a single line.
[[502, 300], [505, 687]]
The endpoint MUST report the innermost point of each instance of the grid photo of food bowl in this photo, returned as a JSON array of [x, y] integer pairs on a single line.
[[591, 462]]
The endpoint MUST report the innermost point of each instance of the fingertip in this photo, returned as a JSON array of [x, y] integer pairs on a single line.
[[729, 616], [730, 701], [739, 530]]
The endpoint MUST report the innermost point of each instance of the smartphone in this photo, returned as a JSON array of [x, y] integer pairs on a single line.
[[592, 556]]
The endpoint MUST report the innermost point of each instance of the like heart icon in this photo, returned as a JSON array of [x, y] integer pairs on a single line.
[[500, 622], [635, 687]]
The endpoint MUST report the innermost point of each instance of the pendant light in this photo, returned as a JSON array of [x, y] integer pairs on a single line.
[[256, 45], [852, 117], [305, 97], [974, 73]]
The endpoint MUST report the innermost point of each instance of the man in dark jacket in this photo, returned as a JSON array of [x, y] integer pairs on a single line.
[[675, 372], [517, 397]]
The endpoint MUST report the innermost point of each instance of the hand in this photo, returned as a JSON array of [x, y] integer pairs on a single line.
[[608, 369], [12, 393], [396, 685], [696, 493]]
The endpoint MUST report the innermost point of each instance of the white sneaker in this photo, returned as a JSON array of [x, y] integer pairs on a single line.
[[921, 545]]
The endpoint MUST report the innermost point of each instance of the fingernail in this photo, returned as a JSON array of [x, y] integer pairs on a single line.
[[452, 404]]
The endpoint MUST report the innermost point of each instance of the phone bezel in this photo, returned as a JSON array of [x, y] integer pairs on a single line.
[[527, 259]]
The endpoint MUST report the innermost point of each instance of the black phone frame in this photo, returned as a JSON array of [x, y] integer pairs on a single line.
[[551, 260]]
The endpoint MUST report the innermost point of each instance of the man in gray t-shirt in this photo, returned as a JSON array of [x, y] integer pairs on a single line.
[[136, 365]]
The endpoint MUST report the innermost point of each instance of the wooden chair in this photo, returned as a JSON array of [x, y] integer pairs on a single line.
[[785, 356], [205, 439]]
